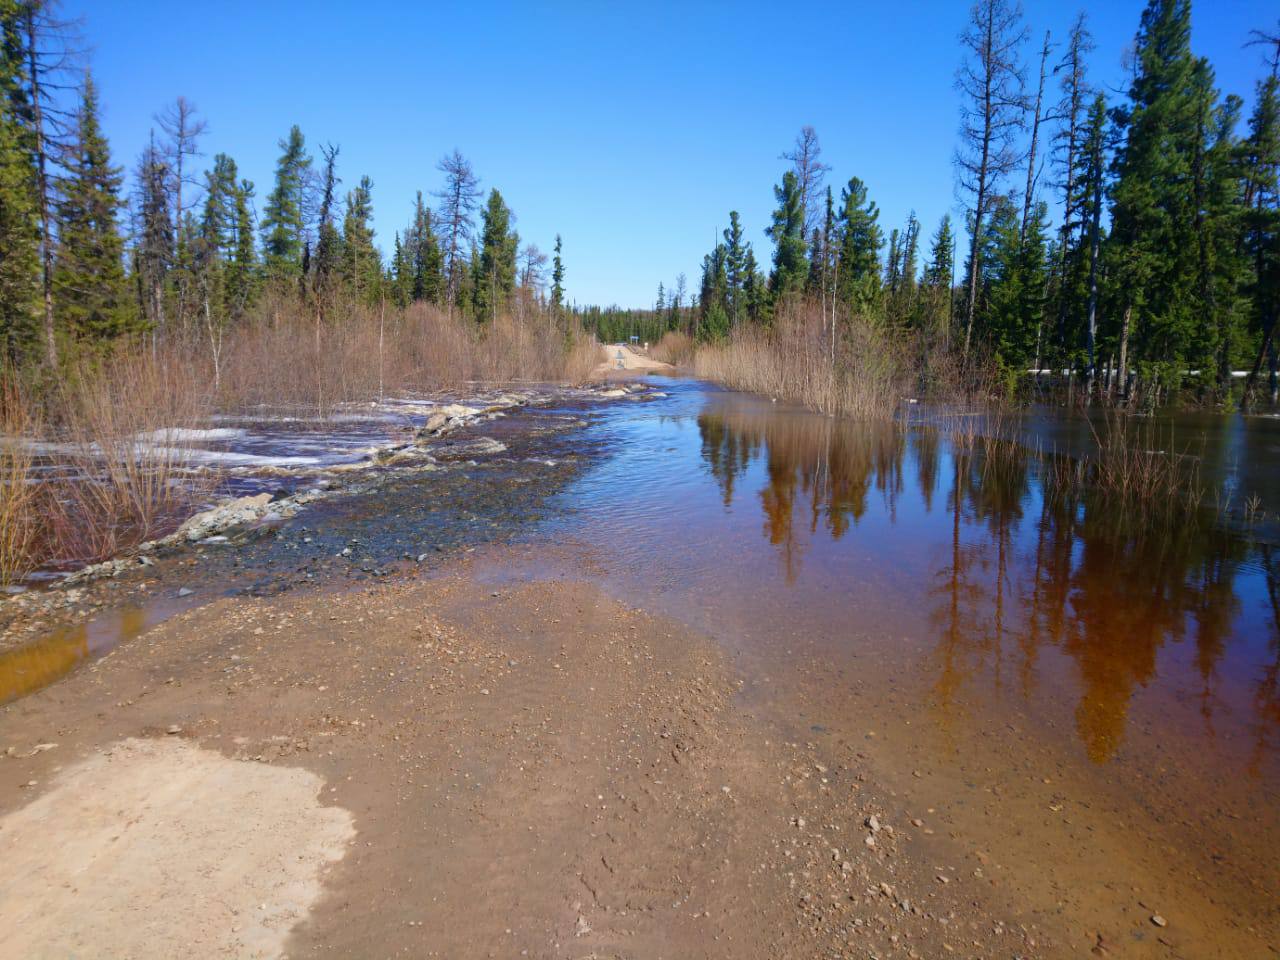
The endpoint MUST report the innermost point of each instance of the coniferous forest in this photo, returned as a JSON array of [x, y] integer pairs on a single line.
[[97, 257], [1101, 232], [1122, 243]]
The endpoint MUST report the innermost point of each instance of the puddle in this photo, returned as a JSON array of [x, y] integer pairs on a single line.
[[28, 668]]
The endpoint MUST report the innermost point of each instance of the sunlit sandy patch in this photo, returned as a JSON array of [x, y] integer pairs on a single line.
[[161, 849]]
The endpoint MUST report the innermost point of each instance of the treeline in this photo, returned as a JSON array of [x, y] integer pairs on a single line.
[[1133, 243], [90, 257]]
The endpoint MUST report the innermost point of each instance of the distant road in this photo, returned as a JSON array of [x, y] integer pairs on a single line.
[[630, 361]]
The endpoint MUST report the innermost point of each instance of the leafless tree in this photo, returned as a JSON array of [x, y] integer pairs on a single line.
[[1037, 116], [1260, 38], [992, 113], [533, 264], [810, 170], [1069, 113], [459, 198], [183, 128]]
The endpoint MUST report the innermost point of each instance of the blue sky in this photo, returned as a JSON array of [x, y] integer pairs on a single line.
[[630, 130]]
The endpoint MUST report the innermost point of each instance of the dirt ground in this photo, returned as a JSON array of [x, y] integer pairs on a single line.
[[632, 363], [439, 768]]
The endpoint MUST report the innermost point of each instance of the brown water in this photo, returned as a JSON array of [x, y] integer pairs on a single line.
[[1089, 702], [35, 665]]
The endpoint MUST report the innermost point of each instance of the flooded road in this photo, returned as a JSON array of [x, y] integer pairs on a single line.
[[1092, 704], [1077, 714]]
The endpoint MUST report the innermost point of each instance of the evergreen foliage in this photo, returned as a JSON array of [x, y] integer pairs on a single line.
[[282, 220]]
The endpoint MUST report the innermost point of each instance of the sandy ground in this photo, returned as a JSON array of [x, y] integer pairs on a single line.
[[632, 362], [440, 768]]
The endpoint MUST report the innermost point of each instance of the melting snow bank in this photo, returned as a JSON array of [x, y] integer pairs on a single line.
[[430, 447]]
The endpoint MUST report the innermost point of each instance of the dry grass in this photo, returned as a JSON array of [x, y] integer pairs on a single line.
[[675, 348], [1136, 465], [863, 374], [296, 356]]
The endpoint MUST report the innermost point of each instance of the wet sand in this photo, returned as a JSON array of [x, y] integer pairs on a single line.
[[537, 771]]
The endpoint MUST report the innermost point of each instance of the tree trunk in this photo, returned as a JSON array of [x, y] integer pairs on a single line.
[[1094, 243], [42, 187], [1035, 141], [1123, 373], [1264, 349]]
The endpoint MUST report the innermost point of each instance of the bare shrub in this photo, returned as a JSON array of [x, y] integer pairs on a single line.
[[17, 492], [123, 474]]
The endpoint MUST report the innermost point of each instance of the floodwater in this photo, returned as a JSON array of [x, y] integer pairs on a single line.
[[1089, 701], [1085, 705]]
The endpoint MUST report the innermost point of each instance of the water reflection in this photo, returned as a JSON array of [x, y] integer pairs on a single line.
[[1010, 570]]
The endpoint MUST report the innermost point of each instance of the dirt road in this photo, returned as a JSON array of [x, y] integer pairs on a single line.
[[443, 768], [631, 360]]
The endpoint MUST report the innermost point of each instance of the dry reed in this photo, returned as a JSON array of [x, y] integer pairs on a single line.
[[675, 348], [859, 373]]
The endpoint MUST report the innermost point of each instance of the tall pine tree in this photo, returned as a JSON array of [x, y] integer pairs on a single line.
[[90, 292]]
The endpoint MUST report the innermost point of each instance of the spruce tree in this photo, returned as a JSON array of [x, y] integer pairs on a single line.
[[858, 273], [242, 270], [1261, 168], [496, 270], [1154, 203], [90, 291], [423, 251], [19, 216], [753, 288], [713, 321], [790, 268], [328, 256], [939, 276], [734, 265], [401, 275], [557, 279], [361, 262], [282, 221], [216, 242], [156, 237], [1015, 277]]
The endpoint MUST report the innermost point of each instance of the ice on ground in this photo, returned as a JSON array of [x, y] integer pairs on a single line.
[[189, 435]]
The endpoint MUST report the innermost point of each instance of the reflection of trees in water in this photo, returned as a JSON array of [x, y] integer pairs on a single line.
[[1266, 694], [1107, 591], [818, 469], [988, 487]]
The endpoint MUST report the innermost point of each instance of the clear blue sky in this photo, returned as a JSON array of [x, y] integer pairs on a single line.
[[631, 130]]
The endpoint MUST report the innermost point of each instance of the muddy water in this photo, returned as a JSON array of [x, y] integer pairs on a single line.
[[1091, 705]]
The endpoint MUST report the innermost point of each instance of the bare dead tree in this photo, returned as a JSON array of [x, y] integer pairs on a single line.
[[459, 198], [1261, 38], [1069, 112], [1037, 117], [991, 114], [180, 124], [810, 170], [533, 265]]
